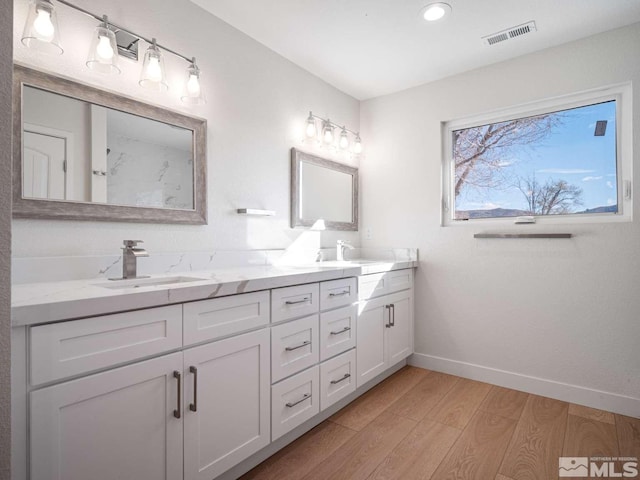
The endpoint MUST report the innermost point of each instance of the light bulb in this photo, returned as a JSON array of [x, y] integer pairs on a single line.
[[357, 147], [43, 26], [327, 132], [311, 126], [104, 50], [154, 72], [193, 86], [344, 139]]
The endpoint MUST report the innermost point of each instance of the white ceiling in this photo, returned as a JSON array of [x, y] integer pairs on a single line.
[[369, 48]]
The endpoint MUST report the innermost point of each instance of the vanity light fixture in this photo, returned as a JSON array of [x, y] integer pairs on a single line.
[[344, 139], [192, 90], [41, 33], [357, 147], [328, 136], [436, 11], [103, 53], [327, 131], [41, 29], [311, 130], [153, 73]]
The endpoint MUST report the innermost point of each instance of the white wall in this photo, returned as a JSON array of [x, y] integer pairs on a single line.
[[6, 8], [564, 311], [257, 106]]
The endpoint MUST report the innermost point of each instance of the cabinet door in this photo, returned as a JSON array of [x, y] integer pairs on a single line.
[[373, 320], [400, 335], [226, 403], [117, 424]]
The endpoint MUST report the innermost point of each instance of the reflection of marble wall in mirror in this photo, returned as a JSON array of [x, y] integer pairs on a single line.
[[325, 193], [153, 170]]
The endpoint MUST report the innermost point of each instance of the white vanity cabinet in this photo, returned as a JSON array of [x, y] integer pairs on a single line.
[[189, 391], [115, 424], [226, 403], [385, 322]]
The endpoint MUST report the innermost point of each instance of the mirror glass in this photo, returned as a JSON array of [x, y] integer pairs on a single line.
[[76, 151], [86, 154], [323, 190]]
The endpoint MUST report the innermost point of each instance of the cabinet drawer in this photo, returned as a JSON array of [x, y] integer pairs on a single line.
[[220, 317], [70, 348], [337, 378], [294, 347], [293, 302], [294, 401], [337, 293], [337, 331], [377, 284]]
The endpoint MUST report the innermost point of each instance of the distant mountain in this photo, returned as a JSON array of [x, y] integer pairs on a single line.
[[494, 212], [512, 212], [607, 209]]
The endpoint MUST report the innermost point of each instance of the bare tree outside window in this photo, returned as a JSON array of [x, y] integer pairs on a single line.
[[549, 164]]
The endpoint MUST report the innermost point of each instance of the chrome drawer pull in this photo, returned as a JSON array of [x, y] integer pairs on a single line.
[[177, 413], [296, 302], [345, 329], [303, 344], [346, 375], [305, 397], [346, 292]]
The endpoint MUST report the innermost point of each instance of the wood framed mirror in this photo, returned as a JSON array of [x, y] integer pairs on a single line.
[[324, 193], [81, 153]]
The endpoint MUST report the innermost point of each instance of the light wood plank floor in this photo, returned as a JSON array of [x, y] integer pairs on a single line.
[[425, 425]]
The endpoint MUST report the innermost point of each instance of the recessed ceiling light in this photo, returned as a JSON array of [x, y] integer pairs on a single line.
[[436, 11]]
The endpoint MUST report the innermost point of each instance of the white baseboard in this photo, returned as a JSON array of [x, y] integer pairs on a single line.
[[610, 402]]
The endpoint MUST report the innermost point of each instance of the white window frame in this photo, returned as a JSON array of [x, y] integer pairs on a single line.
[[622, 93]]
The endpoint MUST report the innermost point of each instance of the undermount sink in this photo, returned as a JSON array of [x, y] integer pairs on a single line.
[[147, 282]]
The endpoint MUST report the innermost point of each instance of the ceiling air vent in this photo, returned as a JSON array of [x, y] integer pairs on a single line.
[[510, 33]]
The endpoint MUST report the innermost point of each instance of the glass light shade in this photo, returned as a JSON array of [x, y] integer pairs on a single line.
[[103, 53], [327, 132], [41, 29], [357, 146], [153, 72], [344, 139], [193, 94], [311, 126]]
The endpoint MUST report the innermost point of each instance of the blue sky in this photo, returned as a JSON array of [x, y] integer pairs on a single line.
[[570, 152]]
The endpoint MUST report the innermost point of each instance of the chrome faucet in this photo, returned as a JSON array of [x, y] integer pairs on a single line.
[[340, 248], [130, 254]]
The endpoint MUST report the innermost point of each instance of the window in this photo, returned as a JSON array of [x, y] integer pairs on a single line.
[[562, 158]]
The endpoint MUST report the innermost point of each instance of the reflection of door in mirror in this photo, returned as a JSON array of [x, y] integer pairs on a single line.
[[45, 163]]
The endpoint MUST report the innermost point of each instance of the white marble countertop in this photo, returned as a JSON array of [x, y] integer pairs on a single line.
[[48, 302]]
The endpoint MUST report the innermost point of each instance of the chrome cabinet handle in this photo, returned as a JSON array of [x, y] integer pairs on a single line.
[[346, 292], [306, 396], [303, 344], [194, 406], [345, 329], [296, 302], [346, 375], [177, 413], [388, 307], [392, 316]]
